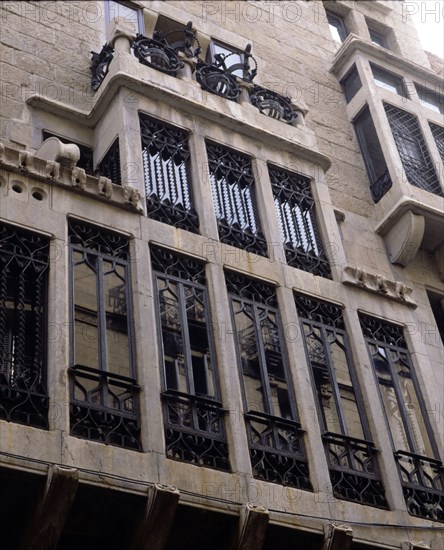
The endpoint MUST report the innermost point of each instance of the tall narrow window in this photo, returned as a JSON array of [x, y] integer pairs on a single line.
[[351, 84], [296, 214], [193, 415], [337, 26], [350, 452], [166, 165], [438, 134], [24, 261], [412, 149], [274, 433], [104, 392], [109, 166], [234, 199], [372, 154], [421, 472]]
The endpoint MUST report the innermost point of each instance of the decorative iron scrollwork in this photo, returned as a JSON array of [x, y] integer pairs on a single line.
[[157, 54], [180, 40], [104, 407], [276, 451], [422, 482], [217, 81], [100, 65], [194, 430], [353, 470], [273, 104], [224, 62], [24, 262]]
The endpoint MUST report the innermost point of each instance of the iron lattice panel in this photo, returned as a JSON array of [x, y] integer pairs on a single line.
[[438, 134], [234, 199], [24, 262], [166, 165], [177, 265], [412, 150], [423, 485], [353, 470], [98, 240], [277, 451], [296, 214], [382, 331], [319, 311], [194, 430], [104, 407], [109, 166], [251, 289]]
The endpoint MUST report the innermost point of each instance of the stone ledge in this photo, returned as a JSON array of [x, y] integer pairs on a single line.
[[394, 290], [55, 173]]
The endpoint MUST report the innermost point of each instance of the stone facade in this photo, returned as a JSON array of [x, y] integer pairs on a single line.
[[364, 258]]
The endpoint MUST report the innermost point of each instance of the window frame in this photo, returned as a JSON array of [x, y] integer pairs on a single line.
[[337, 22], [233, 52], [389, 81], [140, 27]]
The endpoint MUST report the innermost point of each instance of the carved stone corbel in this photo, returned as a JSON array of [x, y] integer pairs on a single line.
[[404, 238], [105, 186], [337, 536], [253, 523], [78, 178]]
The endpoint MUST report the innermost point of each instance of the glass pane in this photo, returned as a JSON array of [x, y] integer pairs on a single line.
[[233, 59], [86, 335], [117, 339], [116, 9]]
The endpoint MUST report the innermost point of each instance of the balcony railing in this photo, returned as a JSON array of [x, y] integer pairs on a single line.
[[422, 482], [276, 450], [353, 470], [194, 430], [104, 407]]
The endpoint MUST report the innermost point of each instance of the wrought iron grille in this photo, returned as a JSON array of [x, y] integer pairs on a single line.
[[417, 472], [193, 414], [421, 474], [104, 407], [24, 261], [350, 453], [438, 134], [166, 164], [272, 104], [100, 65], [296, 214], [276, 451], [234, 199], [275, 438], [104, 392], [412, 150], [155, 53], [217, 81], [109, 166]]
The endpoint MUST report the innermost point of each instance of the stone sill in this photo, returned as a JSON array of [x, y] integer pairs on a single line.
[[242, 118]]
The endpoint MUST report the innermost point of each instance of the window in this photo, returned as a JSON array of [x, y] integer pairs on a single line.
[[412, 150], [421, 473], [378, 38], [24, 262], [193, 415], [104, 393], [389, 81], [275, 438], [123, 9], [437, 305], [166, 165], [438, 134], [296, 214], [372, 154], [86, 153], [234, 200], [230, 59], [350, 453], [351, 84], [430, 98], [109, 166], [337, 26]]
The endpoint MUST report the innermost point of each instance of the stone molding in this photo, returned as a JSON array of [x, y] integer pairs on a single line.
[[394, 290]]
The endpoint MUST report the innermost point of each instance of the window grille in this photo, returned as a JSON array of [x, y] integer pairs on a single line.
[[412, 149], [421, 473], [193, 414], [438, 134], [274, 433], [296, 214], [234, 199], [24, 262], [104, 392], [350, 452], [109, 166], [166, 164]]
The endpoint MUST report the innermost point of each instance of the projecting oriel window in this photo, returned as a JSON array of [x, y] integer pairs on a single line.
[[389, 81], [337, 26]]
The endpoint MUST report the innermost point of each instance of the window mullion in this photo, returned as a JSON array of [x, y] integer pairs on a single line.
[[263, 362], [186, 339]]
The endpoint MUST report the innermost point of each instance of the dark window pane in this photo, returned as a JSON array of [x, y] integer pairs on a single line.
[[351, 84]]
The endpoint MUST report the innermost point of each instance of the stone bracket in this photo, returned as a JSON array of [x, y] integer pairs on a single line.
[[337, 536], [52, 511], [253, 523], [154, 526], [395, 290], [404, 238]]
